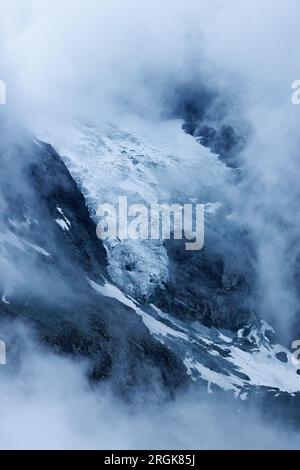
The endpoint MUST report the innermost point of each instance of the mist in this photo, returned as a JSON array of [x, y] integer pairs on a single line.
[[72, 59], [47, 403], [76, 58]]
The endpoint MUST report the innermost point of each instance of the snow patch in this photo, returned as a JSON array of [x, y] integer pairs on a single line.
[[4, 299], [64, 223]]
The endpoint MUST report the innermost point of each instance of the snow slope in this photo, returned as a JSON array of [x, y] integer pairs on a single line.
[[215, 358], [158, 162], [141, 163]]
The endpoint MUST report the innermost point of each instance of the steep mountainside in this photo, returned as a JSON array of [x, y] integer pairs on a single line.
[[201, 305], [50, 257]]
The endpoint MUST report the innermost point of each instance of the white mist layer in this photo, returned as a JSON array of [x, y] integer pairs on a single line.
[[48, 404], [68, 58], [149, 162]]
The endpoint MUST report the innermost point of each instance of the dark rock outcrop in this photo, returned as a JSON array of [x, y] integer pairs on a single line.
[[49, 250]]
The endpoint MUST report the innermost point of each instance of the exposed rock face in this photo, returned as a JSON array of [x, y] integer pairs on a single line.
[[222, 140], [206, 118], [195, 325], [49, 250], [213, 285], [217, 284]]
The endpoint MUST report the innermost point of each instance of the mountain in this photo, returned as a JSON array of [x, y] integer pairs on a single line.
[[202, 304], [50, 260], [146, 314]]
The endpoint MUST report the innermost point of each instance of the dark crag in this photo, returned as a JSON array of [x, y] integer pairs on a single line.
[[49, 250]]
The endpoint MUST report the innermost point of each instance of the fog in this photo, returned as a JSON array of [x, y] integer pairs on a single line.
[[69, 58], [75, 58], [48, 404]]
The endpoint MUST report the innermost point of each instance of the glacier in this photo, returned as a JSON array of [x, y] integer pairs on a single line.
[[153, 162]]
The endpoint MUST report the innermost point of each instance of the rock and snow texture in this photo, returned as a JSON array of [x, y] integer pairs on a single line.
[[43, 271], [149, 163], [63, 222], [217, 359]]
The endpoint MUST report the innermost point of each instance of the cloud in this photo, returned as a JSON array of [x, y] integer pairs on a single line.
[[47, 403], [67, 58]]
